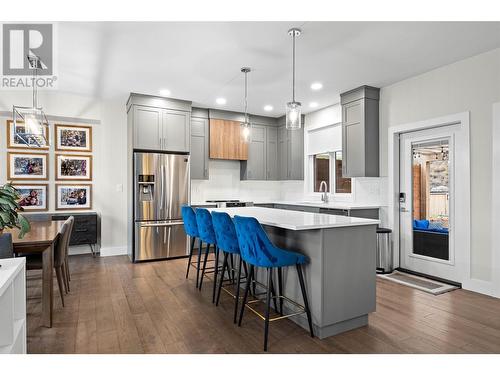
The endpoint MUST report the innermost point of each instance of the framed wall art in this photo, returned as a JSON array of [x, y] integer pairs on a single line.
[[27, 166], [73, 167], [73, 197], [34, 197], [16, 136], [73, 138]]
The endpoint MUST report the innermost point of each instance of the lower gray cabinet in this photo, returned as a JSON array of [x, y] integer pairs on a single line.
[[199, 148], [334, 211]]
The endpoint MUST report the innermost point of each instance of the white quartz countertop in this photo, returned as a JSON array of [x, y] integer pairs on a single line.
[[334, 205], [296, 220]]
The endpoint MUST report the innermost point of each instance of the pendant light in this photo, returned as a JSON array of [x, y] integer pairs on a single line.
[[293, 108], [33, 118], [245, 126]]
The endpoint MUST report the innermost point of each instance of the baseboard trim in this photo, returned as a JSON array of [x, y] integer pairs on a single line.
[[480, 286], [113, 251]]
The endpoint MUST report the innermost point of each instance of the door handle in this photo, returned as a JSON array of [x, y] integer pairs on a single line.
[[403, 209], [162, 197]]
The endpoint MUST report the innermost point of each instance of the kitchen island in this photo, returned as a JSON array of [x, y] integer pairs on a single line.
[[340, 277]]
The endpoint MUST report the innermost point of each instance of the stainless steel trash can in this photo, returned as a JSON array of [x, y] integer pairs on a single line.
[[384, 251]]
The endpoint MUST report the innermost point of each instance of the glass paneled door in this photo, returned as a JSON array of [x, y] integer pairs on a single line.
[[427, 203]]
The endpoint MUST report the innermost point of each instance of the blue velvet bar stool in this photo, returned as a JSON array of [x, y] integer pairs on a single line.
[[191, 229], [207, 235], [227, 241], [258, 251]]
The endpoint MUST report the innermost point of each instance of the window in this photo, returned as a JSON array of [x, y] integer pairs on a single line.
[[323, 170], [342, 184]]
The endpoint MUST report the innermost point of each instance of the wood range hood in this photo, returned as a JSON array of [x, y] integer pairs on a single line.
[[226, 140]]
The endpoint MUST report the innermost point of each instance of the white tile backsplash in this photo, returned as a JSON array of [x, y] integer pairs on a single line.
[[224, 183]]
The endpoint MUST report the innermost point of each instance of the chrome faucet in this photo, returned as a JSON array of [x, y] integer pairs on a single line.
[[324, 196]]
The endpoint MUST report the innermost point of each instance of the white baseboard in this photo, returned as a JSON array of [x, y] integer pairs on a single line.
[[113, 251], [78, 250], [480, 286]]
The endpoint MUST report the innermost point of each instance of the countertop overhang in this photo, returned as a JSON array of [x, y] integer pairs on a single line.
[[296, 220]]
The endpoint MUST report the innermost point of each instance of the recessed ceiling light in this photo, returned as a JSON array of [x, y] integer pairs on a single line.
[[268, 108], [164, 92], [221, 101], [316, 86], [313, 104]]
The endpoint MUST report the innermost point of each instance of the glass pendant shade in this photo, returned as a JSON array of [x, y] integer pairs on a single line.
[[34, 131], [293, 115], [245, 131]]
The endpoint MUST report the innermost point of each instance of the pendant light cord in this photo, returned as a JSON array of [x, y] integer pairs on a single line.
[[246, 100], [293, 67]]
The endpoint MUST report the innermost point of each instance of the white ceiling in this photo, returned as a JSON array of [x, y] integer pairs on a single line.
[[201, 61]]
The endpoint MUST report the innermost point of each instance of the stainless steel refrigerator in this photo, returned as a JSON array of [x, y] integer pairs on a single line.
[[161, 187]]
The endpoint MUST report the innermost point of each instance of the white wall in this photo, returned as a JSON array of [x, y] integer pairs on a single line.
[[471, 85], [109, 155]]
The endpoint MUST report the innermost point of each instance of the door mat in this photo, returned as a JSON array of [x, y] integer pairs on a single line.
[[420, 283]]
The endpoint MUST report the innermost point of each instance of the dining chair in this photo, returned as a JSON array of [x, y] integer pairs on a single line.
[[257, 250], [34, 261], [70, 221]]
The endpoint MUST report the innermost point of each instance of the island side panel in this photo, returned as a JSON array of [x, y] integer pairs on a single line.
[[310, 243], [349, 276]]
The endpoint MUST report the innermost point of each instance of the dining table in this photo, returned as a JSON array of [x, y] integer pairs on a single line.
[[41, 239]]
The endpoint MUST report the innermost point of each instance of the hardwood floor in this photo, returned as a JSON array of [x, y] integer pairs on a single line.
[[119, 307]]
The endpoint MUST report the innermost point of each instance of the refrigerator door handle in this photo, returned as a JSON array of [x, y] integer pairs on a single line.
[[169, 224], [162, 192]]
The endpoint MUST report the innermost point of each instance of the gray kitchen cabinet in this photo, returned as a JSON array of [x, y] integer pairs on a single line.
[[175, 127], [255, 167], [199, 148], [292, 207], [334, 211], [360, 132], [290, 154], [159, 124], [272, 153], [283, 172], [147, 127]]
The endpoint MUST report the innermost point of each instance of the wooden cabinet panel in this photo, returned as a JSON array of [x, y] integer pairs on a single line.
[[226, 141]]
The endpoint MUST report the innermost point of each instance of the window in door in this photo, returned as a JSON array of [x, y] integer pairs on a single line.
[[431, 196]]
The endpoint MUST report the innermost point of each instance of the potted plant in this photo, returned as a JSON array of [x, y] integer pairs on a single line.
[[9, 208]]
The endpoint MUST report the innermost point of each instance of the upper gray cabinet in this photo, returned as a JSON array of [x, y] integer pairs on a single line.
[[199, 147], [255, 167], [290, 154], [360, 132], [159, 124], [272, 153]]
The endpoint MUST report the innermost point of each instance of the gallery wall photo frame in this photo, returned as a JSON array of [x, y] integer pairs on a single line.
[[27, 166], [73, 167], [73, 197], [73, 138], [14, 142], [34, 197]]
